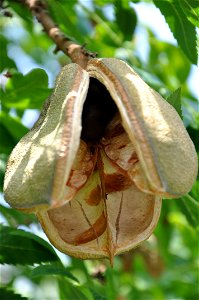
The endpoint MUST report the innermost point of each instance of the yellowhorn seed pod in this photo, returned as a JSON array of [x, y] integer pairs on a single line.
[[97, 163]]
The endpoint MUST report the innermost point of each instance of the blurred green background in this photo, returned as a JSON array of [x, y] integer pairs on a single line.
[[159, 40]]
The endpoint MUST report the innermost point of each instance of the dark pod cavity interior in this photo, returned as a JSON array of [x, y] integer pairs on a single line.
[[98, 110]]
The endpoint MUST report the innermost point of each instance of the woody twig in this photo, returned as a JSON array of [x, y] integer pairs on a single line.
[[77, 53]]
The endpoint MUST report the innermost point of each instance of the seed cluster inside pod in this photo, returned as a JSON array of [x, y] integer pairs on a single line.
[[104, 211]]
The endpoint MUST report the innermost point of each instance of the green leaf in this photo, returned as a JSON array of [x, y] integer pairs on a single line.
[[28, 91], [5, 61], [98, 296], [191, 9], [3, 160], [102, 2], [22, 11], [8, 140], [126, 18], [190, 208], [69, 291], [52, 269], [191, 113], [175, 100], [13, 125], [161, 55], [195, 188], [20, 247], [194, 134], [6, 294], [183, 30], [105, 32], [15, 217], [111, 289]]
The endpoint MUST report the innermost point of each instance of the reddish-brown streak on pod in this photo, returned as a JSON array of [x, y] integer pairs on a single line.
[[95, 231], [95, 196]]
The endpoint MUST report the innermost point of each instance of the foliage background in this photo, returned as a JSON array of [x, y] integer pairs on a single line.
[[164, 267]]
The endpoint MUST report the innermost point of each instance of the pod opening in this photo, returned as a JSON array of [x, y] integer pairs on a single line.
[[98, 111]]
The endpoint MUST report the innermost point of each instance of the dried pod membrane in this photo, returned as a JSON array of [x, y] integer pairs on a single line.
[[97, 163]]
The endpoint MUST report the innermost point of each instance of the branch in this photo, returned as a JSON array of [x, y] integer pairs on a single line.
[[77, 53]]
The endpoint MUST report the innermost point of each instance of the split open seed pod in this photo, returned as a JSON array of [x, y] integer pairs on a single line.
[[97, 163]]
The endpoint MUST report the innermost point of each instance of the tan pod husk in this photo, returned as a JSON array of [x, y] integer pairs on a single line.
[[103, 199]]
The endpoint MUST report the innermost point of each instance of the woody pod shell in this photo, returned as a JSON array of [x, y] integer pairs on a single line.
[[41, 163]]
